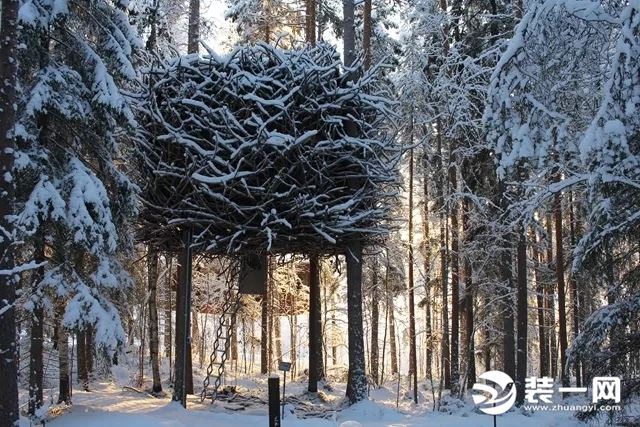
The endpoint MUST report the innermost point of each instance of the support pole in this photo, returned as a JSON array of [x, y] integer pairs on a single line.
[[274, 401], [183, 318]]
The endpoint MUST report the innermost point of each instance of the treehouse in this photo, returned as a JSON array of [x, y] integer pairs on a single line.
[[263, 152]]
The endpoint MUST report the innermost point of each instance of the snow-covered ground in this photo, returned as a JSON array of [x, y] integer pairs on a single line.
[[109, 405]]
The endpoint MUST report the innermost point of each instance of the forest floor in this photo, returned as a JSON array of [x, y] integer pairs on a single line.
[[111, 405]]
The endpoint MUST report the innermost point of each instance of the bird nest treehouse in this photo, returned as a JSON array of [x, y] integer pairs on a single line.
[[264, 151]]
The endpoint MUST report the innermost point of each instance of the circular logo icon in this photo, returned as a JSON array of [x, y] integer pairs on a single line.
[[500, 400]]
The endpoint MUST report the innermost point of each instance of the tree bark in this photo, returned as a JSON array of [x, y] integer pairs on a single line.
[[264, 333], [551, 303], [542, 336], [427, 269], [310, 22], [152, 267], [393, 347], [9, 412], [316, 368], [375, 319], [413, 363], [36, 367], [506, 273], [521, 365], [349, 33], [357, 380], [562, 314], [64, 384], [183, 365], [194, 26], [366, 34], [468, 301], [168, 303], [81, 358], [90, 349], [445, 347], [573, 289], [455, 282]]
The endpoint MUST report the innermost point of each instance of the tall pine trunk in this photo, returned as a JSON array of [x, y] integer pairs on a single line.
[[413, 364], [445, 348], [310, 21], [8, 338], [393, 346], [543, 344], [316, 367], [551, 303], [427, 268], [455, 282], [562, 313], [522, 324], [468, 301], [81, 358], [152, 274], [573, 289], [64, 383], [375, 318], [506, 273], [194, 26], [36, 369], [357, 380]]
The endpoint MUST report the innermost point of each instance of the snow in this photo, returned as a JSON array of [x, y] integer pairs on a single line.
[[109, 405]]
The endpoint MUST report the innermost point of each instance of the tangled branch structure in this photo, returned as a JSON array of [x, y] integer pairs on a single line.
[[266, 150]]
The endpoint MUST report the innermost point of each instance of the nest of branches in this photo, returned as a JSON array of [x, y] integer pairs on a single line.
[[266, 150]]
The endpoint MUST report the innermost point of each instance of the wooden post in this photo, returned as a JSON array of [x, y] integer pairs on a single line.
[[274, 401]]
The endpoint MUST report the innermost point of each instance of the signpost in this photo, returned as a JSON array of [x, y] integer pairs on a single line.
[[284, 367]]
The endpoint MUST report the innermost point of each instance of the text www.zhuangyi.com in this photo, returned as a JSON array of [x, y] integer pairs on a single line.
[[573, 408]]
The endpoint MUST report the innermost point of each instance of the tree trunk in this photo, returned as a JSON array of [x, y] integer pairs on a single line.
[[542, 337], [316, 368], [36, 368], [521, 365], [551, 304], [81, 358], [195, 330], [152, 266], [393, 347], [455, 282], [310, 22], [294, 342], [357, 380], [445, 348], [264, 333], [90, 348], [573, 289], [506, 273], [64, 385], [427, 268], [468, 300], [366, 34], [168, 307], [349, 33], [183, 364], [9, 414], [562, 314], [413, 363], [194, 26], [375, 318]]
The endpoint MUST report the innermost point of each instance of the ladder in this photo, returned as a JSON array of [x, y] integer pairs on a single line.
[[222, 342]]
